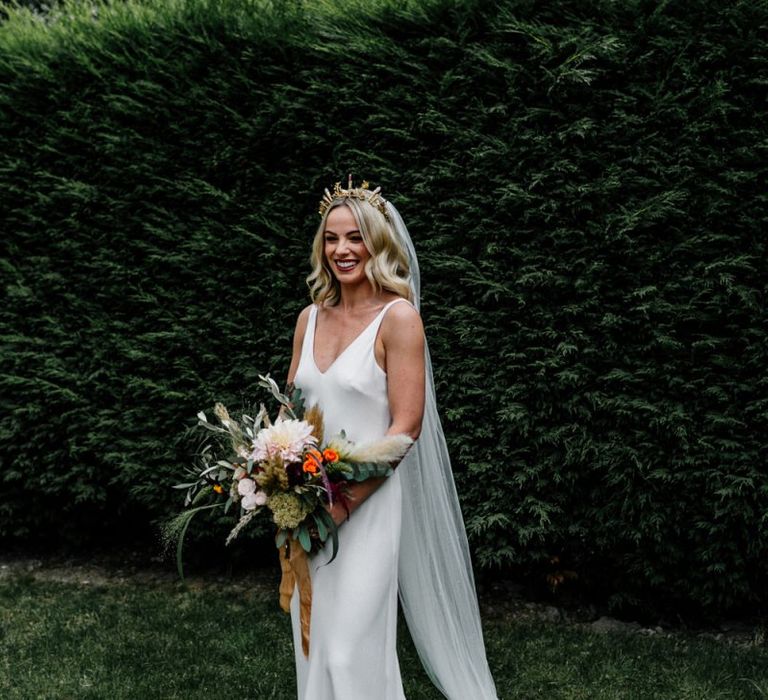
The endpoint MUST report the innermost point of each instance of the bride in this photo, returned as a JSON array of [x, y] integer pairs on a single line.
[[359, 352]]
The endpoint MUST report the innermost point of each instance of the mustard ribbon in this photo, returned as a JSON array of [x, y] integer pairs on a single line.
[[294, 564]]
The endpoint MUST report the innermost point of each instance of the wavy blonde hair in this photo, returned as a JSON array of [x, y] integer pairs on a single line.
[[387, 268]]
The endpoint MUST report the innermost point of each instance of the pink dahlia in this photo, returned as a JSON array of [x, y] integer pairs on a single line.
[[287, 438]]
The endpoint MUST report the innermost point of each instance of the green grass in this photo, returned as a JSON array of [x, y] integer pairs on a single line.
[[66, 641]]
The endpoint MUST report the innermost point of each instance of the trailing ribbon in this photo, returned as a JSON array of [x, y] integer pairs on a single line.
[[294, 564]]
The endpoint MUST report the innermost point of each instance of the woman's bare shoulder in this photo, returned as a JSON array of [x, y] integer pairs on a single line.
[[404, 311], [402, 318], [304, 313]]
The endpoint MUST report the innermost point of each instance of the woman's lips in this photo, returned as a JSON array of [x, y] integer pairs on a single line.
[[346, 265]]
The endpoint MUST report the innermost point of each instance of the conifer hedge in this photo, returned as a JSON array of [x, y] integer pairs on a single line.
[[585, 183]]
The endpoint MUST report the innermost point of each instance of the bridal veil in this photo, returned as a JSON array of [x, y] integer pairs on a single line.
[[436, 581]]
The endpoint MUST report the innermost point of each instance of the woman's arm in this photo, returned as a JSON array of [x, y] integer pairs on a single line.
[[402, 334], [298, 341]]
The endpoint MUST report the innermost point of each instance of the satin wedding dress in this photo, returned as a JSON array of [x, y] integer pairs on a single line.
[[353, 624]]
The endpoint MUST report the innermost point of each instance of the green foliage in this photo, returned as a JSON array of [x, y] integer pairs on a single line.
[[360, 471], [584, 182]]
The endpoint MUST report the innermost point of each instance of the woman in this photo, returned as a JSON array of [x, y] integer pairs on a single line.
[[360, 353]]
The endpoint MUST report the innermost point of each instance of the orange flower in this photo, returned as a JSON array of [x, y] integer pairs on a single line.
[[315, 454], [218, 488], [330, 455], [310, 465]]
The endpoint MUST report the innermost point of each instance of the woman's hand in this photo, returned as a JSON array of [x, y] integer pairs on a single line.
[[337, 512], [356, 492]]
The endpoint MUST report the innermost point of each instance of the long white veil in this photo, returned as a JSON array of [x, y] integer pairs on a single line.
[[436, 582]]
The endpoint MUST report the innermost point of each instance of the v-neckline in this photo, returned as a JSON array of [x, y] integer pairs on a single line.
[[356, 338]]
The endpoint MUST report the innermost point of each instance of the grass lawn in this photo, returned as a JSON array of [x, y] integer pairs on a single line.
[[60, 640]]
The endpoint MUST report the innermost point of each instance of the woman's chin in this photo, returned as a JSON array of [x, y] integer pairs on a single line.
[[346, 278]]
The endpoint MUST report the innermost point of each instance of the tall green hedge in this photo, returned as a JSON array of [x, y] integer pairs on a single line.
[[585, 183]]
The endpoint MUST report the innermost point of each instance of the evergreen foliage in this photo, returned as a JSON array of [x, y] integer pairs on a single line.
[[585, 185]]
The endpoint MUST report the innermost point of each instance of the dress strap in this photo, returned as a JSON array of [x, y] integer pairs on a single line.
[[307, 346], [376, 323], [383, 312]]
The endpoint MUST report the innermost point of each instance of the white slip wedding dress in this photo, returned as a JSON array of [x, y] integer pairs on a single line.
[[353, 625]]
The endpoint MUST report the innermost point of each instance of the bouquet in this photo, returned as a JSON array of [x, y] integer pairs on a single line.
[[287, 470]]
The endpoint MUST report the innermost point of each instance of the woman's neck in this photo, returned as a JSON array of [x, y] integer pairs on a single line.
[[358, 297]]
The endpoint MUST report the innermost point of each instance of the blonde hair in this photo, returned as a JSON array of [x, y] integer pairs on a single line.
[[387, 268]]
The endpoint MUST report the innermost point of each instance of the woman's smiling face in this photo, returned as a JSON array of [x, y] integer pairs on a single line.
[[344, 247]]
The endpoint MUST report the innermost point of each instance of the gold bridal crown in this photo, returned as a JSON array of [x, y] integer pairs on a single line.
[[373, 197]]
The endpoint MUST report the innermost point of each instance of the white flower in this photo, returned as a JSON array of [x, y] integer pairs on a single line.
[[287, 438], [246, 487], [252, 500]]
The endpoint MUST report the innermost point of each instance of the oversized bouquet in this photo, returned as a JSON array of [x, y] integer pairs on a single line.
[[283, 468]]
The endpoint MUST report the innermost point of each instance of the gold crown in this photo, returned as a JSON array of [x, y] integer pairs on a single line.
[[373, 197]]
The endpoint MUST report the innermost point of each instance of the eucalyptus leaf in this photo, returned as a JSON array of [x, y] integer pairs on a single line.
[[213, 428], [360, 471], [321, 527], [333, 528], [209, 470], [297, 400], [304, 539], [343, 467], [269, 383]]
